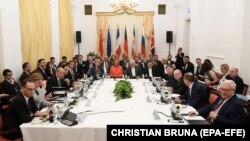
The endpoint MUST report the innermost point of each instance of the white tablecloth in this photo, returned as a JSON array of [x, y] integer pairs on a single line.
[[104, 110]]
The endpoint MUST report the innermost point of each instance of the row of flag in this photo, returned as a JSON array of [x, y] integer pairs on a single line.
[[125, 46]]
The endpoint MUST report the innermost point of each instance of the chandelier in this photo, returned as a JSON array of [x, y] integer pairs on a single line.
[[123, 6]]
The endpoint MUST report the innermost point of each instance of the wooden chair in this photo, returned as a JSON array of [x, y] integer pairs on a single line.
[[213, 97]]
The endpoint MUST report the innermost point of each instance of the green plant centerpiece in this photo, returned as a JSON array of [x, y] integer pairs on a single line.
[[123, 90]]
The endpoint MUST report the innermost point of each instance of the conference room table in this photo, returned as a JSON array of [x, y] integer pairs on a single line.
[[102, 109]]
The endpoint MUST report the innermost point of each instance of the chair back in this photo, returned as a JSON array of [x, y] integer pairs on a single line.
[[212, 98], [245, 88]]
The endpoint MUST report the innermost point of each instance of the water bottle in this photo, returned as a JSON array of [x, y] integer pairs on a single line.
[[66, 102]]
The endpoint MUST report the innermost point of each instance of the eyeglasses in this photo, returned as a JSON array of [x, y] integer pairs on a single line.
[[10, 74], [30, 89], [225, 90]]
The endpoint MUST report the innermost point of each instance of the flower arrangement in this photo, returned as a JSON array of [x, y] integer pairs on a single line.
[[123, 90]]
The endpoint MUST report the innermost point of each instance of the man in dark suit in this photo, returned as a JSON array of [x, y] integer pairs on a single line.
[[9, 85], [41, 68], [123, 61], [227, 110], [199, 71], [106, 65], [188, 66], [80, 66], [53, 62], [71, 75], [133, 71], [56, 81], [159, 65], [233, 75], [178, 85], [196, 95], [63, 62], [26, 72], [23, 108], [150, 70]]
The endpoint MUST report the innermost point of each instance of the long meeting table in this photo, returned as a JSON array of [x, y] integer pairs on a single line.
[[101, 109]]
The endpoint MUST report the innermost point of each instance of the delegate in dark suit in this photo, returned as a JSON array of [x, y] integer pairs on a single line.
[[53, 82], [179, 87], [42, 72], [24, 76], [189, 67], [239, 83], [96, 72], [198, 97], [71, 75], [19, 112], [11, 89], [138, 72], [154, 72], [231, 112]]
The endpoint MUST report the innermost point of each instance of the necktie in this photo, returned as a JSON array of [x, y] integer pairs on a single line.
[[189, 91], [37, 93], [59, 83], [217, 105], [29, 106], [72, 74]]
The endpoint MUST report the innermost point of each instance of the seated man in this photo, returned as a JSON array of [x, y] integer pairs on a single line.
[[150, 70], [10, 86], [97, 70], [57, 81], [196, 95], [168, 76], [233, 75], [178, 85], [133, 71], [227, 110], [22, 109]]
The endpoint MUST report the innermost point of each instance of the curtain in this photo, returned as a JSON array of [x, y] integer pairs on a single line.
[[35, 24], [66, 35], [139, 20]]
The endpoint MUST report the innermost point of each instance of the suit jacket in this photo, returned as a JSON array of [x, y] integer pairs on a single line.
[[169, 79], [231, 112], [154, 72], [95, 72], [160, 68], [71, 77], [43, 73], [198, 97], [239, 83], [198, 72], [19, 112], [179, 87], [189, 68], [108, 66], [11, 89], [138, 72], [123, 64], [53, 82], [23, 76]]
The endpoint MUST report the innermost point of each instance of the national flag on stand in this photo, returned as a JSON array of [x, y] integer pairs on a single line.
[[125, 47], [143, 50], [117, 44], [152, 45], [109, 44], [100, 44], [134, 44]]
